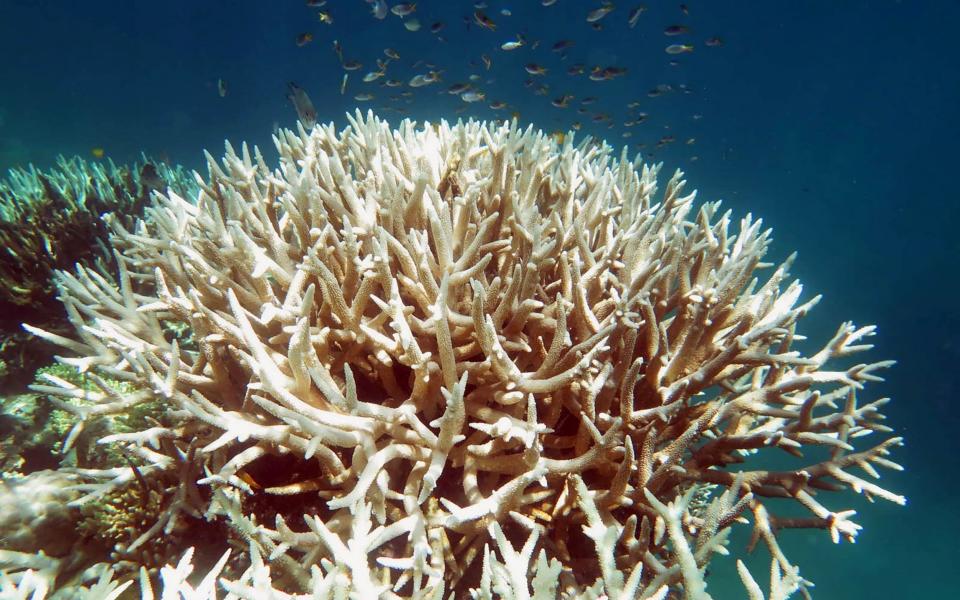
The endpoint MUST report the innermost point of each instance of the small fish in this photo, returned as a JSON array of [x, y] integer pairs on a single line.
[[404, 9], [352, 65], [513, 44], [458, 88], [598, 13], [498, 105], [676, 30], [714, 42], [303, 39], [418, 81], [588, 100], [422, 80], [660, 89], [249, 480], [611, 72], [324, 17], [338, 50], [506, 12], [412, 24], [576, 125], [437, 27], [97, 152], [343, 83], [316, 3], [221, 88], [562, 45], [391, 53], [535, 69], [678, 48], [486, 61], [684, 9], [634, 16], [576, 69], [597, 74], [472, 96], [558, 136], [363, 97], [372, 76], [301, 102], [380, 8], [562, 101], [393, 83], [548, 2], [481, 19]]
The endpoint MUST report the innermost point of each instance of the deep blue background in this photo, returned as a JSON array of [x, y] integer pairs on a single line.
[[836, 122]]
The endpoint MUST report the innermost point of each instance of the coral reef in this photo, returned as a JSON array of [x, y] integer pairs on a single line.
[[459, 359], [50, 220], [34, 427]]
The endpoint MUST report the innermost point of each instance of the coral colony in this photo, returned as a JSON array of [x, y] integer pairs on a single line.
[[50, 220], [447, 361]]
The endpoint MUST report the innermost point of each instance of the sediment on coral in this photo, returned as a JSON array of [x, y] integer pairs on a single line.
[[464, 358], [51, 219]]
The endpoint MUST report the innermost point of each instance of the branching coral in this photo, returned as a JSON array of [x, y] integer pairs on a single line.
[[50, 220], [406, 352]]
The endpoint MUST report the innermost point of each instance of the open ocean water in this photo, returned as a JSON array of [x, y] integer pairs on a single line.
[[835, 121]]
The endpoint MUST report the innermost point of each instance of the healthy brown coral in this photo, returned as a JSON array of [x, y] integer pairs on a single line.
[[50, 220]]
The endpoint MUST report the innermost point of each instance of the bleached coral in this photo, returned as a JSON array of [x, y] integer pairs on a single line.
[[407, 351]]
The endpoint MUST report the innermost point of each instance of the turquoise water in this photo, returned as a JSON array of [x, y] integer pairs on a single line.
[[834, 121]]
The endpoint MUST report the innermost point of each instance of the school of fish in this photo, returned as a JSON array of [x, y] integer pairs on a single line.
[[562, 71]]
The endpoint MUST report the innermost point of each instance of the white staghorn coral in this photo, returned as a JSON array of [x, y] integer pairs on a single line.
[[406, 350]]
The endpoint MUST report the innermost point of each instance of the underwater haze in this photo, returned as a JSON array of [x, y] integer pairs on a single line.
[[836, 122]]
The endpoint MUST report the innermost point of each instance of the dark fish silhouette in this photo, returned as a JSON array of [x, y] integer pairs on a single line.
[[300, 100]]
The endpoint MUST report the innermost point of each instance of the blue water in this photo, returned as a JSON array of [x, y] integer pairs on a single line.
[[834, 121]]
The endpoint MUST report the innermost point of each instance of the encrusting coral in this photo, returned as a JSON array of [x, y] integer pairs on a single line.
[[425, 361], [49, 220]]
